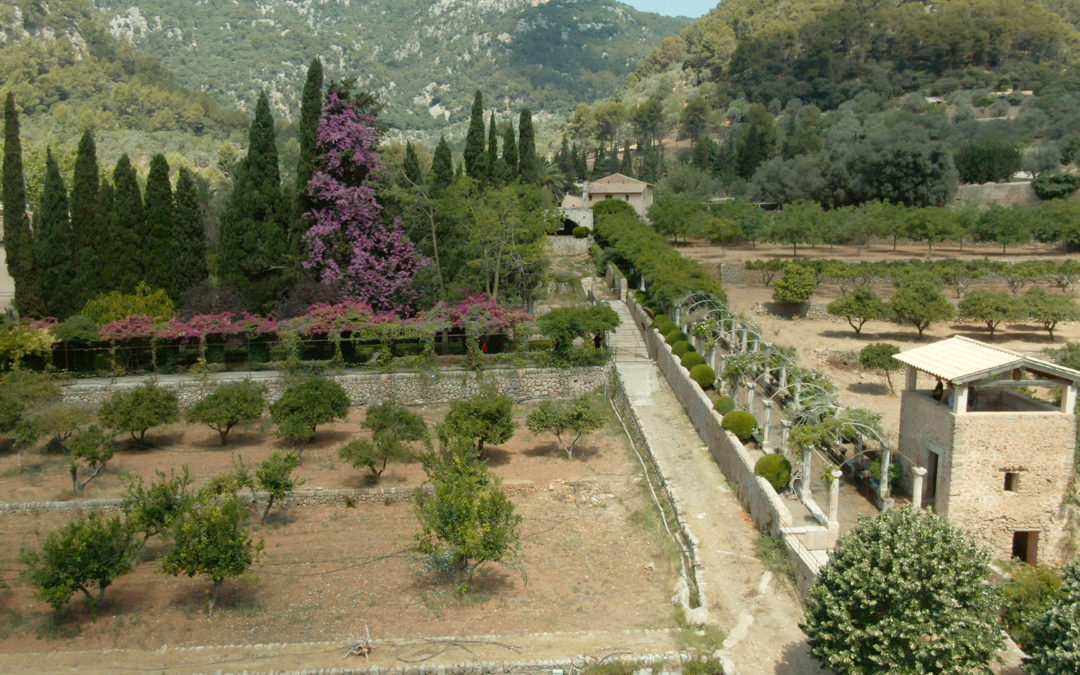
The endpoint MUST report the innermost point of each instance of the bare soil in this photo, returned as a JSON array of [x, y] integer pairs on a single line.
[[589, 558]]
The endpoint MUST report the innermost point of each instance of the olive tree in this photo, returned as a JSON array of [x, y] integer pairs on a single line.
[[85, 554], [211, 539], [569, 418], [394, 429], [305, 405], [230, 403], [138, 409], [904, 591]]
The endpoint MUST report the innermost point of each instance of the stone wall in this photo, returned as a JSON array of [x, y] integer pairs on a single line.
[[569, 246], [1002, 194], [755, 493], [364, 387]]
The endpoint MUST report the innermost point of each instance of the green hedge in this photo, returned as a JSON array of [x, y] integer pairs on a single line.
[[669, 276], [581, 231], [704, 375], [740, 423], [724, 405], [691, 359], [673, 336], [681, 347], [776, 469]]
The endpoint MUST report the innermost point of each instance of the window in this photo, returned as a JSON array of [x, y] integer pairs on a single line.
[[1026, 546], [1012, 481]]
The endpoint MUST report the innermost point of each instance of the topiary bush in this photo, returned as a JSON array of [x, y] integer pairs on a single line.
[[681, 347], [704, 375], [724, 405], [673, 336], [776, 469], [740, 423], [691, 359], [664, 324], [581, 231]]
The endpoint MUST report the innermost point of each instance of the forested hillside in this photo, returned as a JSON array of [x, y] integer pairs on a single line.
[[423, 58]]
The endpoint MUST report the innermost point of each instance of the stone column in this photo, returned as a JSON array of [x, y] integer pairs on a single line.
[[912, 379], [749, 396], [766, 444], [797, 396], [785, 433], [642, 284], [678, 315], [834, 498], [804, 486], [917, 487], [735, 391], [886, 461], [783, 376], [742, 342]]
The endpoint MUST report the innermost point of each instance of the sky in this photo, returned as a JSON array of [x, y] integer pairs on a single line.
[[691, 8]]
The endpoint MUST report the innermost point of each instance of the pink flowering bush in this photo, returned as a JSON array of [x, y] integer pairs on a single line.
[[348, 243]]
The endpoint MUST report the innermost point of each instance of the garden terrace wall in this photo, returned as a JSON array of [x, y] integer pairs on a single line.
[[365, 387], [766, 508]]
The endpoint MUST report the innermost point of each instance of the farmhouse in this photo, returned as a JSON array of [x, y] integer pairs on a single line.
[[637, 193], [996, 461]]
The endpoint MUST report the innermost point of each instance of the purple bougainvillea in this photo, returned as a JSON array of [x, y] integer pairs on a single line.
[[347, 242]]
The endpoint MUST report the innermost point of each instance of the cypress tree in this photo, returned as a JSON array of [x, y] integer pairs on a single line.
[[442, 167], [187, 245], [18, 239], [627, 166], [411, 166], [566, 160], [528, 168], [581, 163], [496, 172], [474, 139], [54, 245], [253, 250], [160, 224], [86, 234], [510, 153], [311, 104], [125, 257]]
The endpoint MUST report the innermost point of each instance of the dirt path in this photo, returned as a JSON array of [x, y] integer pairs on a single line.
[[758, 614]]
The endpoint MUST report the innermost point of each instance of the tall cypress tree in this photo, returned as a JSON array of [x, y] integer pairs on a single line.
[[510, 152], [566, 160], [253, 250], [160, 225], [411, 166], [528, 167], [311, 104], [124, 257], [474, 139], [18, 240], [627, 166], [496, 170], [86, 220], [54, 245], [187, 245], [581, 163], [442, 167]]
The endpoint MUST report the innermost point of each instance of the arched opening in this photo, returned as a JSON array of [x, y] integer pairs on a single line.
[[568, 227]]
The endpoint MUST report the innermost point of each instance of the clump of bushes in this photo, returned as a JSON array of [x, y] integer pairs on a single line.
[[691, 359], [673, 336], [740, 423], [581, 231], [704, 375], [681, 347], [664, 324], [776, 469], [724, 405]]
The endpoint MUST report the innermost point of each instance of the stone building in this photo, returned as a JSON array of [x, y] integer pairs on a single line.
[[996, 461], [637, 193]]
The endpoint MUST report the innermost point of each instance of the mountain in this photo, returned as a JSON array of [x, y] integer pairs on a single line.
[[424, 58]]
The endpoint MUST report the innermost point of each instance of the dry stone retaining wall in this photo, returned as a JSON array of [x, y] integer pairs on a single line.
[[363, 387]]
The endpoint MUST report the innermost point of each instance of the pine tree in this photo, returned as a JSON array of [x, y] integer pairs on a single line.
[[18, 240], [442, 167], [187, 248], [86, 235], [124, 257], [627, 166], [510, 153], [160, 224], [528, 167], [252, 256], [411, 166], [311, 104], [54, 245], [474, 139]]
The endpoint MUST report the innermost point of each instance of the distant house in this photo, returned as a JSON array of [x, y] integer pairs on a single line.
[[996, 461], [637, 193]]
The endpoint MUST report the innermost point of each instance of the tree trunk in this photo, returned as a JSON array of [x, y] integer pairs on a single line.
[[224, 435], [269, 505], [213, 597]]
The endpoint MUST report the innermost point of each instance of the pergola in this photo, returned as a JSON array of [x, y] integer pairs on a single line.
[[962, 363]]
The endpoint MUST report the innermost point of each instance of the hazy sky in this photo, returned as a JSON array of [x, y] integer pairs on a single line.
[[692, 8]]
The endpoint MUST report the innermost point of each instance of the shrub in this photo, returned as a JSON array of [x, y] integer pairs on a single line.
[[673, 336], [581, 231], [724, 405], [796, 286], [681, 347], [1055, 185], [1026, 597], [776, 469], [691, 359], [1055, 641], [740, 423], [879, 356], [664, 324], [704, 375], [305, 405], [138, 409]]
